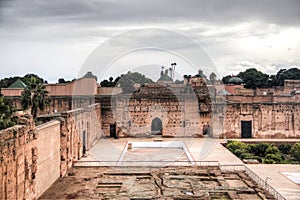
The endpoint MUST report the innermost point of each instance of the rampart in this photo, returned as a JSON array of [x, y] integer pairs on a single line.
[[32, 158]]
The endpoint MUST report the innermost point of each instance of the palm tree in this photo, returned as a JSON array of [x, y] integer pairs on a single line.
[[34, 96]]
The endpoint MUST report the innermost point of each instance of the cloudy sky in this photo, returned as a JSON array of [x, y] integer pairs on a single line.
[[57, 38]]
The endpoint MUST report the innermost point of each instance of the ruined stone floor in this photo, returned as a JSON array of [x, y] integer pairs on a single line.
[[206, 149], [193, 182]]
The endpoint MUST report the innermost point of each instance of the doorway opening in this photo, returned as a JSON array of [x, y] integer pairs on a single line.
[[83, 142], [246, 127], [156, 126], [112, 131]]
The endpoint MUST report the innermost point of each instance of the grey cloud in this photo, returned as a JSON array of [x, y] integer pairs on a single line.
[[74, 23], [286, 64], [68, 18], [142, 11]]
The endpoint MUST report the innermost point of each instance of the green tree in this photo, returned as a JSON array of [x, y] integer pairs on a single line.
[[259, 149], [273, 158], [34, 96], [295, 151], [110, 82], [253, 78], [28, 77], [237, 147], [285, 148], [6, 82], [6, 114], [62, 80], [128, 80], [225, 79], [212, 78], [283, 74], [272, 149]]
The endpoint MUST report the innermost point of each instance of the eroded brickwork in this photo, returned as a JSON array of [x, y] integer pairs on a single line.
[[32, 158], [18, 161], [269, 118], [183, 111], [79, 130]]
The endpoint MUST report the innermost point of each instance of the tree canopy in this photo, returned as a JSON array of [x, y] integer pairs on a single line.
[[256, 79], [6, 82], [110, 83], [128, 80], [284, 74], [6, 114], [34, 96]]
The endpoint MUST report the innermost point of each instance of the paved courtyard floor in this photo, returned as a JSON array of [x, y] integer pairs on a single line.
[[145, 183], [109, 151]]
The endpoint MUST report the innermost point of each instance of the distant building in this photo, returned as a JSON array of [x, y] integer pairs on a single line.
[[14, 89]]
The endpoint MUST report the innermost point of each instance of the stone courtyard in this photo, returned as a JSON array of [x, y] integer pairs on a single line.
[[197, 182], [143, 173]]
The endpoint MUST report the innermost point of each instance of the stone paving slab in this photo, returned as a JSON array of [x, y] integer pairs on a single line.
[[207, 149], [202, 149]]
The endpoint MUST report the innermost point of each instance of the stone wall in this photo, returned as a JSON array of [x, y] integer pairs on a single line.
[[18, 161], [48, 159], [32, 158], [80, 129], [182, 111], [268, 120], [11, 92]]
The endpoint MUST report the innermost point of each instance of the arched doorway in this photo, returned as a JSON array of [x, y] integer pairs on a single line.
[[156, 126]]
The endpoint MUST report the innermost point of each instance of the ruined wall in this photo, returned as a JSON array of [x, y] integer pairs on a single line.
[[107, 114], [80, 129], [268, 120], [48, 157], [135, 116], [18, 161], [65, 103], [32, 158], [180, 116]]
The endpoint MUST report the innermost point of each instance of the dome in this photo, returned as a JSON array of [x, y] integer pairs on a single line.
[[235, 80], [224, 92], [165, 77]]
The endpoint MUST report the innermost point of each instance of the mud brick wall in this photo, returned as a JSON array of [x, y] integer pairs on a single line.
[[269, 120], [48, 159], [18, 161], [32, 158], [181, 115], [80, 129]]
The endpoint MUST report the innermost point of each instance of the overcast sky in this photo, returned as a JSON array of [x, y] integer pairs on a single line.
[[60, 38]]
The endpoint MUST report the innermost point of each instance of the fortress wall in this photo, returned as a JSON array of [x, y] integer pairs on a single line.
[[80, 129], [32, 158], [48, 159], [18, 161]]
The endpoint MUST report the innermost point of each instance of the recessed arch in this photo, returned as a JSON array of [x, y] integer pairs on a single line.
[[156, 126]]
